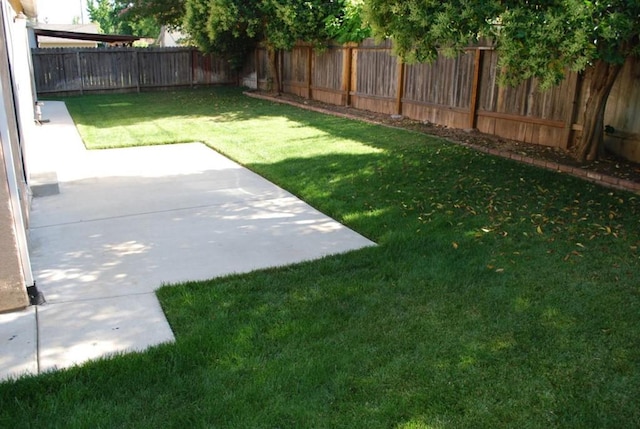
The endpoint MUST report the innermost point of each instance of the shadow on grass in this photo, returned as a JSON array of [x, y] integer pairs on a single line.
[[222, 104]]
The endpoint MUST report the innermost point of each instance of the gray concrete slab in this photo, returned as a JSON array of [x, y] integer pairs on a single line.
[[18, 344], [126, 221], [72, 333], [137, 253], [121, 182]]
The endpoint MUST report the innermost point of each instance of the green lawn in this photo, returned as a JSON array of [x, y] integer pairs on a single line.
[[500, 295]]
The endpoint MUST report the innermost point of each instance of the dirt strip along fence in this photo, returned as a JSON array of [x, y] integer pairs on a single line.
[[64, 71], [460, 92]]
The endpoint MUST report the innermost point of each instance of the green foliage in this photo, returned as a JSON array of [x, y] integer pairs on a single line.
[[349, 25], [115, 17], [164, 12], [233, 27], [220, 27], [420, 28], [535, 38], [543, 39], [103, 13]]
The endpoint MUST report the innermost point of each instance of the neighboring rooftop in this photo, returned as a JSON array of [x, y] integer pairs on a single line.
[[82, 35]]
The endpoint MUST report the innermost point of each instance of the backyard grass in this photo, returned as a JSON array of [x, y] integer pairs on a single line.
[[500, 295]]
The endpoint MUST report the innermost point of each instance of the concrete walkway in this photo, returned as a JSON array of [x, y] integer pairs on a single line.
[[109, 227]]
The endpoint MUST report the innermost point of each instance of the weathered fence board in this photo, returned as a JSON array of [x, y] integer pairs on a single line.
[[101, 71], [211, 70], [525, 112], [376, 73], [158, 69], [327, 75], [77, 70], [57, 72], [375, 80], [295, 65], [327, 68], [445, 82]]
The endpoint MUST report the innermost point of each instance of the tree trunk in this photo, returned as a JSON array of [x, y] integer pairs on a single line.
[[273, 71], [601, 77]]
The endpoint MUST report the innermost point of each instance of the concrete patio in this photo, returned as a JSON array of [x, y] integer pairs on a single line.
[[109, 227]]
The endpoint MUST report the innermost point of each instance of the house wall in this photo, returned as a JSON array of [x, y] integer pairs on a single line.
[[169, 39], [13, 295], [64, 43], [21, 87], [16, 122]]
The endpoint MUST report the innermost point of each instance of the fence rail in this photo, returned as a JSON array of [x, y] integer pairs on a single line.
[[82, 70]]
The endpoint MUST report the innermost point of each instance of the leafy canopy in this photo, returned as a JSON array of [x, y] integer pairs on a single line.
[[350, 25], [115, 17], [233, 27], [279, 23], [535, 38]]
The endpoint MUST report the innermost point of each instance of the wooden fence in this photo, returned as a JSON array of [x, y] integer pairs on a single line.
[[457, 92], [461, 92], [82, 70]]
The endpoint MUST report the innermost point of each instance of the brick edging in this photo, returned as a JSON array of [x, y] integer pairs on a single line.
[[590, 176]]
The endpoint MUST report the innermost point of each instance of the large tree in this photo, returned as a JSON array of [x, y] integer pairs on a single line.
[[535, 38], [234, 26]]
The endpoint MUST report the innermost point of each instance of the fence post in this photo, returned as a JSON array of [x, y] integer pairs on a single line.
[[473, 102], [136, 73], [192, 67], [80, 72], [279, 68], [572, 103], [257, 59], [347, 55], [401, 69], [309, 71]]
